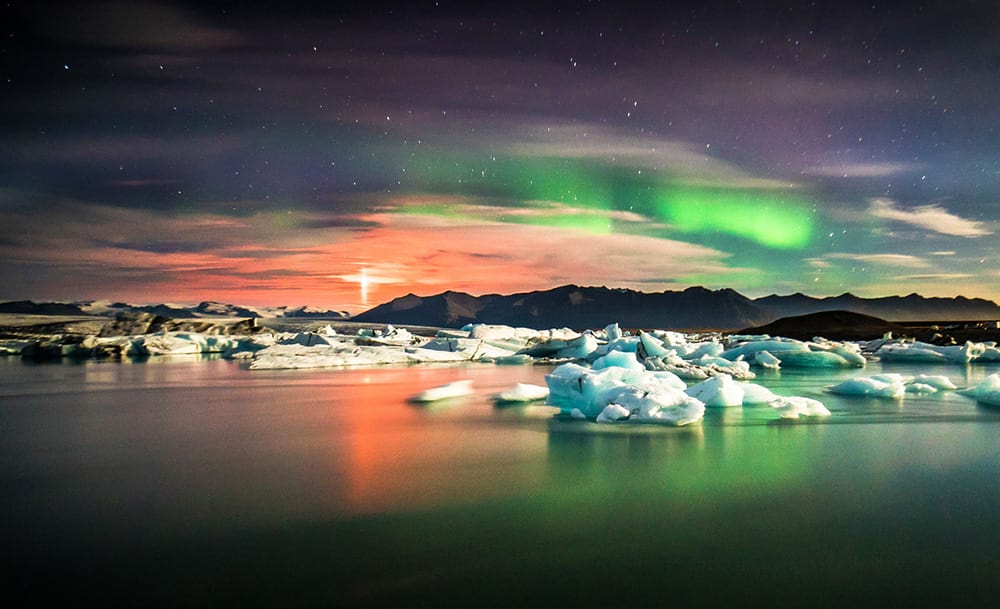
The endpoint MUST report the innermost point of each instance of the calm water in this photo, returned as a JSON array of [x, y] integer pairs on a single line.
[[189, 482]]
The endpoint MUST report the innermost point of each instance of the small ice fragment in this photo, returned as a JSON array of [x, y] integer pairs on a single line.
[[451, 390], [793, 407], [986, 392], [612, 413], [884, 387], [576, 413], [764, 359], [935, 380], [524, 392]]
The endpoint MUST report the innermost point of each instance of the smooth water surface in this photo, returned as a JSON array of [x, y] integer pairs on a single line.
[[192, 482]]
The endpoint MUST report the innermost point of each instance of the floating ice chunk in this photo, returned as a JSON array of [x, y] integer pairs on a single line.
[[618, 359], [471, 348], [935, 380], [754, 394], [308, 339], [613, 332], [922, 388], [646, 396], [776, 346], [792, 407], [871, 386], [653, 346], [764, 359], [667, 378], [917, 351], [699, 350], [454, 389], [518, 359], [576, 413], [990, 353], [986, 392], [345, 354], [484, 331], [578, 348], [697, 371], [524, 392], [721, 390], [611, 413]]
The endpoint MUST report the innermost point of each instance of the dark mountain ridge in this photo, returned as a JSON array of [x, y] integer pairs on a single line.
[[694, 308]]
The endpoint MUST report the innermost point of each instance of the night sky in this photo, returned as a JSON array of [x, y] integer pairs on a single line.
[[340, 156]]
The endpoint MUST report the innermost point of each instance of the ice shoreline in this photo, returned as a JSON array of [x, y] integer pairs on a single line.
[[606, 375]]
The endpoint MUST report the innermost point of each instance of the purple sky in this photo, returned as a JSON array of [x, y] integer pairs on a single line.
[[275, 154]]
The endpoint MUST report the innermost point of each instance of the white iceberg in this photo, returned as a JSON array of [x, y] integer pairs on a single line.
[[646, 396]]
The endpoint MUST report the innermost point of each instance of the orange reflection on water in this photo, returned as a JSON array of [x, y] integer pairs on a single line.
[[404, 456]]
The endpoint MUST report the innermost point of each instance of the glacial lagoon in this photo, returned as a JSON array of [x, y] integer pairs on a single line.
[[191, 481]]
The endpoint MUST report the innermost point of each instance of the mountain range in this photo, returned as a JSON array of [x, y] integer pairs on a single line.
[[571, 306], [694, 308], [170, 311]]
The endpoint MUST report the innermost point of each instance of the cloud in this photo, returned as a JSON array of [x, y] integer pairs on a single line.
[[904, 260], [931, 217], [861, 170], [682, 161], [934, 276], [140, 25]]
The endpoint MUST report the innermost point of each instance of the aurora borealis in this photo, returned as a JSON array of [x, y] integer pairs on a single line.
[[261, 153]]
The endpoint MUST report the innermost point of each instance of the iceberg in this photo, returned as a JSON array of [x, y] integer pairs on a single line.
[[645, 396]]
